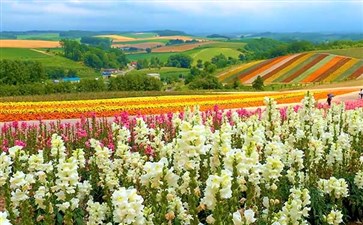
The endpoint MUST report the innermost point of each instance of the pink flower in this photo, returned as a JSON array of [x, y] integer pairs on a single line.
[[20, 143]]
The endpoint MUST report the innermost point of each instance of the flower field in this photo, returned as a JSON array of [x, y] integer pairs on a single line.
[[297, 68], [294, 165], [17, 111]]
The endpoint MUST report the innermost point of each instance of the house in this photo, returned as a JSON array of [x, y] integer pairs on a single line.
[[133, 63], [107, 73], [155, 75], [71, 79]]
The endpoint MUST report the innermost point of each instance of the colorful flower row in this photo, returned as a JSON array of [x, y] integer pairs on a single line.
[[17, 111], [304, 68]]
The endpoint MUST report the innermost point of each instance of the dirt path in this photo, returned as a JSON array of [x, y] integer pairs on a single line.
[[40, 51]]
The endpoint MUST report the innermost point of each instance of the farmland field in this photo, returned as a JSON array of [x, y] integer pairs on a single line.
[[181, 48], [42, 36], [142, 45], [350, 52], [298, 68], [206, 54], [48, 61], [28, 44], [136, 41], [196, 53]]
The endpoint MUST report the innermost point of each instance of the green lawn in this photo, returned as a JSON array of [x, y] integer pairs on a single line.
[[206, 54], [48, 61], [42, 36], [203, 53], [166, 73], [350, 52], [226, 44]]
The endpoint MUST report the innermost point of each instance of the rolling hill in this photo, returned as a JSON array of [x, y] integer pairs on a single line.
[[297, 68], [48, 60]]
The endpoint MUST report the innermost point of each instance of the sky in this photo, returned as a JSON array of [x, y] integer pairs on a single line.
[[198, 16]]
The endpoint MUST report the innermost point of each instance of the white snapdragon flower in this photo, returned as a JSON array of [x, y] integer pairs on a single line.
[[3, 218], [128, 207], [335, 217], [296, 209], [358, 179], [97, 212], [336, 187], [221, 184], [247, 218], [57, 147], [5, 167]]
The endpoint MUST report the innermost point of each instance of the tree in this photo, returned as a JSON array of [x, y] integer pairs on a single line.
[[258, 83], [142, 64], [148, 50], [180, 60], [200, 64]]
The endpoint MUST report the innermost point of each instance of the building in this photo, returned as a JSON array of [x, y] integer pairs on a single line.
[[71, 79]]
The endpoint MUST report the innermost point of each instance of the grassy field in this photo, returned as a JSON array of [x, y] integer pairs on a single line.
[[139, 35], [206, 54], [226, 44], [350, 52], [166, 73], [42, 36], [48, 61], [202, 53]]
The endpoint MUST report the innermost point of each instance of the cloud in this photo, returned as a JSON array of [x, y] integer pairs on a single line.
[[188, 15]]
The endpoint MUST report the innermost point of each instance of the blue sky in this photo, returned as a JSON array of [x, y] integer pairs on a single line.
[[200, 16]]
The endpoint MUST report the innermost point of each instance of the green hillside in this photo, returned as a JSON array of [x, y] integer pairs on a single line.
[[48, 61], [350, 52], [203, 53]]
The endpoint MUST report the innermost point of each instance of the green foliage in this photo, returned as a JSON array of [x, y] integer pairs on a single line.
[[49, 62], [21, 72], [258, 83], [142, 64], [207, 82], [180, 61], [136, 82], [104, 43], [92, 56], [91, 86]]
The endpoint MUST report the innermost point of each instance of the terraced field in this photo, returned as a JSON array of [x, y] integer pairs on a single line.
[[298, 68]]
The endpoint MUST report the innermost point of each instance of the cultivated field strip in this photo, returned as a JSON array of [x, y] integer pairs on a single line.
[[297, 68]]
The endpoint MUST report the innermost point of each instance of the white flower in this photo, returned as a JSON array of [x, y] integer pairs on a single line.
[[128, 207], [249, 215], [335, 217], [3, 218], [237, 218], [336, 187], [358, 179]]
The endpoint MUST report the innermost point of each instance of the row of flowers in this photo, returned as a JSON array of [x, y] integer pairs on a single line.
[[296, 165], [16, 111]]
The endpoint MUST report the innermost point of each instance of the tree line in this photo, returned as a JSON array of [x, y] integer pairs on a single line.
[[94, 57], [15, 72], [265, 48], [138, 82]]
